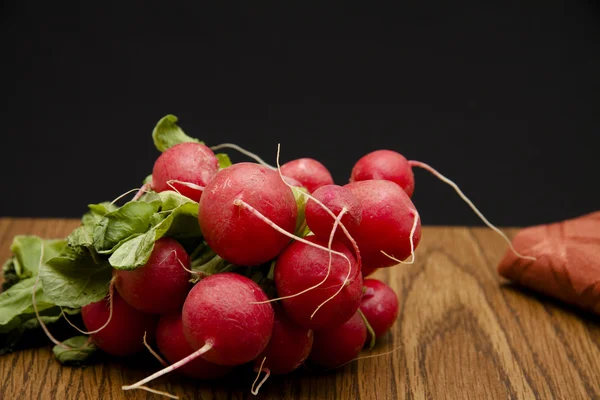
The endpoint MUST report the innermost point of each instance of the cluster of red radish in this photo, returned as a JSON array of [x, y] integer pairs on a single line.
[[248, 214]]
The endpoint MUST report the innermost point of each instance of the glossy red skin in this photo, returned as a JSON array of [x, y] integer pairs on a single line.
[[289, 346], [233, 232], [124, 334], [337, 346], [385, 164], [379, 305], [161, 285], [335, 198], [186, 162], [218, 310], [301, 266], [309, 172], [387, 220], [173, 345]]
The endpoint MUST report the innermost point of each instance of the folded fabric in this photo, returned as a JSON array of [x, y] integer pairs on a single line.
[[567, 264]]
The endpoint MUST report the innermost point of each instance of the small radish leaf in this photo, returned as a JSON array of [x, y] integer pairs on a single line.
[[180, 222], [301, 204], [74, 279], [370, 330], [17, 306], [26, 257], [79, 350], [116, 227], [224, 160], [167, 134]]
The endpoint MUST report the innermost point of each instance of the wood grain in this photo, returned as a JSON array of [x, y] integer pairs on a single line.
[[463, 333]]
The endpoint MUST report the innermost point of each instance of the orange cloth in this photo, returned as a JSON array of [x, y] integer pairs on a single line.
[[568, 260]]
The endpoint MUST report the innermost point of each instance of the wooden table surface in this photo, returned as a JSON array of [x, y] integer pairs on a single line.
[[462, 333]]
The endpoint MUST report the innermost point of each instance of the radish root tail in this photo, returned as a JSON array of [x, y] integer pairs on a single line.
[[110, 311], [241, 203], [172, 367], [169, 395], [254, 390], [335, 225], [441, 177], [139, 193], [154, 353], [244, 152], [412, 242]]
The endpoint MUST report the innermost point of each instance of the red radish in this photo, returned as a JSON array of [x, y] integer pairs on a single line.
[[218, 311], [379, 305], [309, 172], [161, 285], [186, 168], [301, 266], [223, 322], [335, 198], [388, 219], [123, 335], [289, 346], [385, 164], [392, 166], [173, 345], [233, 230], [339, 345]]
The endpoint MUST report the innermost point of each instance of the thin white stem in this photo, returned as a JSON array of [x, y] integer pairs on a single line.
[[243, 151], [373, 355], [138, 190], [441, 177], [412, 242], [267, 372], [110, 312], [335, 225], [184, 183], [172, 367], [169, 395], [323, 206], [330, 251], [155, 354], [255, 212], [180, 262]]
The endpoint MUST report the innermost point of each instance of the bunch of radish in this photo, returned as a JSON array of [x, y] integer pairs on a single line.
[[319, 241]]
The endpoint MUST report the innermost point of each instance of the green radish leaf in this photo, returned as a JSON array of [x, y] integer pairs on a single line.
[[75, 280], [129, 221], [134, 252], [167, 134], [171, 200], [224, 160], [299, 194], [79, 350], [180, 223], [147, 179], [84, 235], [27, 332], [16, 304], [26, 257]]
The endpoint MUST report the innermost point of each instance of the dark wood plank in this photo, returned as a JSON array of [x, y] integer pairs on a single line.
[[463, 332]]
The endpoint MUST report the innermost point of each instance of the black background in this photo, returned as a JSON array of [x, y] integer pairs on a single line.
[[501, 96]]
